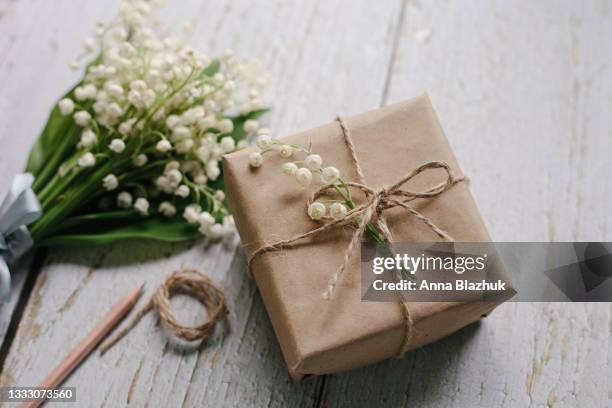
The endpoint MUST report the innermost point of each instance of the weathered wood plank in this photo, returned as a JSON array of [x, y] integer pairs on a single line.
[[35, 52], [521, 89], [315, 78], [542, 61]]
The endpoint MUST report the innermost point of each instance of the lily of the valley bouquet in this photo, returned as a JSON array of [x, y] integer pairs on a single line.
[[133, 150]]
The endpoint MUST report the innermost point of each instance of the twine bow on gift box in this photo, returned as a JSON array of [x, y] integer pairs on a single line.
[[19, 208], [371, 212], [377, 201]]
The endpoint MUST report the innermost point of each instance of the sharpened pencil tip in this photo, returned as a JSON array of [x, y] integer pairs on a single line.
[[138, 290]]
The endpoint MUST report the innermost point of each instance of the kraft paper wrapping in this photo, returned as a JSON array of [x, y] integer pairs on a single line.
[[319, 336]]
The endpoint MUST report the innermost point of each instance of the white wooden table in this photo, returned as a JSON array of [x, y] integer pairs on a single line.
[[524, 90]]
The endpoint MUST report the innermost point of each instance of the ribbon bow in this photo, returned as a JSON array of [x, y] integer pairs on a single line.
[[376, 202], [19, 208]]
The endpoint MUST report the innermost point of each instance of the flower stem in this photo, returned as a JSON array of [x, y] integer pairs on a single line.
[[77, 196], [372, 231]]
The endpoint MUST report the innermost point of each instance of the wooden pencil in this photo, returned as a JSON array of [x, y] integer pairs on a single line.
[[79, 353]]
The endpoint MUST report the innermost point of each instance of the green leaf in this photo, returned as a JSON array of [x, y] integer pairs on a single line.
[[56, 140], [68, 165], [238, 132], [211, 69], [160, 229], [97, 221], [54, 131]]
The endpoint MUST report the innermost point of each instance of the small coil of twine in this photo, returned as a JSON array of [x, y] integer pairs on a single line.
[[188, 281]]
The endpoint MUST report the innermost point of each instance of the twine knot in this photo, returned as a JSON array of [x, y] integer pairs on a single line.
[[370, 212], [385, 198]]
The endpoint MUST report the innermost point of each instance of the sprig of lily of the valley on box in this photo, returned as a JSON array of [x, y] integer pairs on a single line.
[[302, 169], [133, 150]]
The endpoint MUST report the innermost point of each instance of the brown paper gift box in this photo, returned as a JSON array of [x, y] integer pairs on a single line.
[[320, 336]]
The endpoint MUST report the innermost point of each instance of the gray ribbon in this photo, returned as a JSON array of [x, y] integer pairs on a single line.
[[19, 208]]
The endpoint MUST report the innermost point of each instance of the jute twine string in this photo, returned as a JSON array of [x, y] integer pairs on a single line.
[[188, 281], [376, 201]]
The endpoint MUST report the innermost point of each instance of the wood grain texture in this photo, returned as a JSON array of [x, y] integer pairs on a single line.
[[76, 287], [523, 90], [35, 51]]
